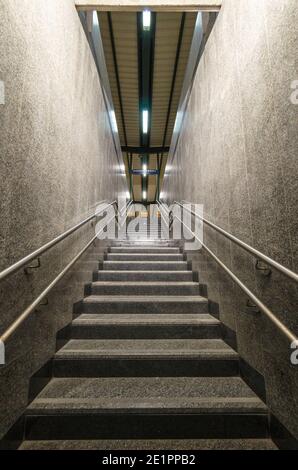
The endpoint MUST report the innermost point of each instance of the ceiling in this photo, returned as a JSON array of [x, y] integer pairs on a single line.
[[146, 71]]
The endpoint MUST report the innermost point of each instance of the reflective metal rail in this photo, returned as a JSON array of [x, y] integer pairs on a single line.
[[35, 254], [256, 301], [14, 326], [257, 254]]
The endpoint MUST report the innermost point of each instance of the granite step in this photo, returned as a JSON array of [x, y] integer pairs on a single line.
[[144, 249], [139, 326], [146, 408], [145, 357], [143, 304], [152, 444], [146, 242], [145, 276], [146, 265], [145, 257], [143, 288]]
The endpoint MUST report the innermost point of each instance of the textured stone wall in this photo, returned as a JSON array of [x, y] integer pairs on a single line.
[[237, 155], [57, 161]]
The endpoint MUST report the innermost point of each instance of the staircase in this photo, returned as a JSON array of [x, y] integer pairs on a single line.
[[148, 228], [145, 366]]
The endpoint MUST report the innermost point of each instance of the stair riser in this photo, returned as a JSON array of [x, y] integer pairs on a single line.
[[143, 243], [146, 257], [144, 307], [155, 266], [145, 332], [144, 368], [139, 276], [145, 426], [143, 290], [144, 250]]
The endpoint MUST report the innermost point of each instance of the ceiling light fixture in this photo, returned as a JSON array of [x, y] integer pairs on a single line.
[[144, 195], [145, 119], [146, 20], [113, 121], [95, 18]]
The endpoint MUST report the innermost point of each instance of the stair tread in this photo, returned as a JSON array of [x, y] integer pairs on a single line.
[[178, 348], [135, 318], [157, 248], [143, 444], [145, 283], [145, 257], [172, 255], [144, 261], [145, 275], [144, 271], [144, 298], [157, 265], [151, 394]]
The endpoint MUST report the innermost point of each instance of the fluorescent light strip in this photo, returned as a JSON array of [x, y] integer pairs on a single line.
[[95, 18], [146, 20], [113, 121], [144, 195], [145, 119]]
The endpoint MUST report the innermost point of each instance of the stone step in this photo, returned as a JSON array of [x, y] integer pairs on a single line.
[[166, 276], [151, 444], [139, 326], [146, 242], [144, 304], [145, 257], [146, 408], [145, 357], [144, 249], [143, 288], [146, 265]]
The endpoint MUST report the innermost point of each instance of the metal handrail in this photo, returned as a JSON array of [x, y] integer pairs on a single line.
[[125, 209], [274, 264], [14, 326], [165, 221], [291, 336], [168, 213], [35, 254], [128, 205]]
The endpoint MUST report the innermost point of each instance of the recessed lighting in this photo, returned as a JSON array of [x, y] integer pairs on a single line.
[[145, 119], [144, 195], [113, 121], [95, 18], [146, 20]]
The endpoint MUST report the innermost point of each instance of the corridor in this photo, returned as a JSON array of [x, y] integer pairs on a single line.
[[148, 236]]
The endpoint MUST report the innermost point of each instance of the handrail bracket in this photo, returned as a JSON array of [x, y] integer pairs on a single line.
[[263, 267], [33, 266], [252, 306]]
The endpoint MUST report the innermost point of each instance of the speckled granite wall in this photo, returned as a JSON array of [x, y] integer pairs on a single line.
[[58, 161], [237, 155]]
